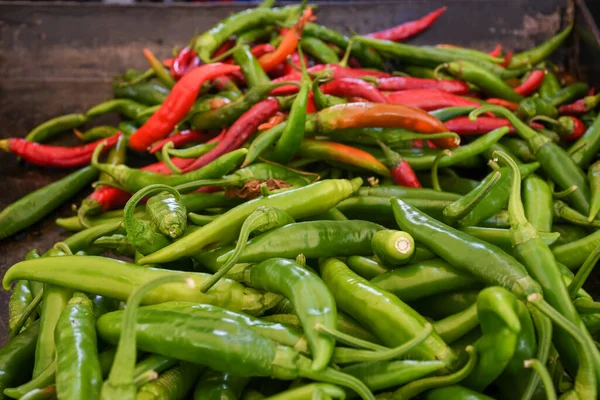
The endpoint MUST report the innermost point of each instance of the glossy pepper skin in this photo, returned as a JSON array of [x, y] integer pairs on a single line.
[[214, 385], [175, 383], [16, 357], [52, 127], [168, 212], [392, 321], [78, 373]]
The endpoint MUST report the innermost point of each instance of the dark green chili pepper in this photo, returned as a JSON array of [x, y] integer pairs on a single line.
[[78, 373], [167, 212], [333, 214], [365, 267], [173, 384], [539, 261], [392, 320], [483, 78], [445, 114], [97, 133], [553, 159], [594, 180], [253, 72], [568, 233], [126, 107], [443, 305], [564, 213], [418, 280], [209, 41], [406, 193], [518, 147], [16, 357], [449, 183], [550, 85], [393, 248], [454, 392], [457, 325], [54, 126], [20, 298], [584, 150], [533, 106], [569, 93], [119, 243], [253, 395], [147, 93], [312, 300], [540, 53], [318, 49], [366, 56], [214, 385], [39, 203], [263, 219], [538, 202], [134, 179], [574, 254]]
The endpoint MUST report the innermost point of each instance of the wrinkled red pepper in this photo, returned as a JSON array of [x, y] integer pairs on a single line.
[[428, 99], [409, 29], [396, 83]]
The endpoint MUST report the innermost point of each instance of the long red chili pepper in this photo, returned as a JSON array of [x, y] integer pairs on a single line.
[[481, 126], [408, 29], [511, 105], [239, 132], [311, 106], [55, 156], [185, 60], [179, 139], [400, 170], [288, 44], [580, 106], [531, 84], [396, 83], [497, 51], [348, 87], [428, 99], [179, 101]]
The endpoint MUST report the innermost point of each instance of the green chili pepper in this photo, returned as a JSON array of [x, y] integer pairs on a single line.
[[78, 373], [324, 100], [584, 150], [553, 159], [392, 321], [54, 126], [568, 233], [594, 180], [313, 302], [564, 213], [443, 305], [117, 279], [214, 385], [46, 393], [253, 72], [550, 85], [501, 237], [569, 93], [209, 41], [298, 203], [457, 325], [416, 387], [534, 106], [174, 384], [126, 107], [539, 261], [455, 392], [192, 152], [519, 147], [366, 56], [365, 267], [406, 193], [167, 212], [483, 78], [393, 247], [133, 179], [20, 299], [425, 278], [145, 93], [39, 203], [97, 133], [16, 357], [263, 219], [310, 392], [449, 183], [537, 198], [540, 53], [318, 49]]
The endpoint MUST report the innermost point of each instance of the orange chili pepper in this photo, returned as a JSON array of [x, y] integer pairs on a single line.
[[511, 105], [274, 120]]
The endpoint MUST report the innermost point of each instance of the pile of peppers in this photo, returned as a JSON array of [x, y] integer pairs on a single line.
[[316, 226]]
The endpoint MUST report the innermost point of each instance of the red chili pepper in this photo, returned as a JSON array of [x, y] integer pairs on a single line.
[[396, 83], [531, 84], [512, 106], [497, 51], [276, 119], [408, 29], [226, 46], [185, 61], [295, 60], [168, 62], [573, 125], [179, 139], [481, 126], [55, 156], [338, 72], [402, 173], [349, 87], [507, 59], [311, 107], [239, 132], [428, 99], [418, 144], [580, 106], [177, 104], [354, 63], [288, 44], [261, 49]]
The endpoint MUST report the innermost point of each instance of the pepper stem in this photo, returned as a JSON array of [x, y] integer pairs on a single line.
[[130, 223], [5, 145], [525, 131], [515, 205], [457, 215], [543, 373], [121, 380], [586, 306], [62, 246], [31, 307], [344, 60], [167, 158], [438, 69], [435, 181], [543, 329], [584, 272]]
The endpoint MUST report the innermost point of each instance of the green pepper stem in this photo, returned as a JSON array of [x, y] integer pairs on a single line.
[[62, 246], [584, 272], [167, 158], [344, 60], [563, 193], [31, 307], [515, 204], [586, 306], [349, 339], [435, 181], [120, 383], [330, 375], [466, 209], [130, 223], [543, 373], [543, 329]]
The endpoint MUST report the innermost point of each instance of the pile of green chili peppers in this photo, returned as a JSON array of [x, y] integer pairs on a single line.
[[301, 269]]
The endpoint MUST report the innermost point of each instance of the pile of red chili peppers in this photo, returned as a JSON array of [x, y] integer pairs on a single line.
[[316, 219]]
